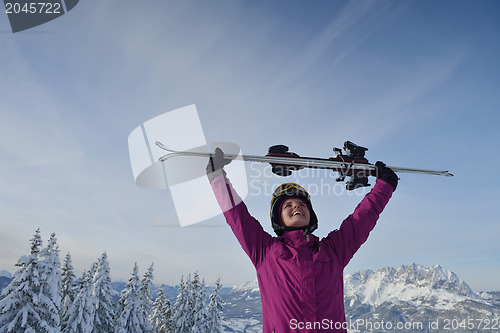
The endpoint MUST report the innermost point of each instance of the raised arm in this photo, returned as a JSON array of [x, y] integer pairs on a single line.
[[355, 229], [250, 234]]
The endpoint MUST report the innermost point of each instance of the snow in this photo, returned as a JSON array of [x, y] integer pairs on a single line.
[[250, 286], [242, 325], [414, 284]]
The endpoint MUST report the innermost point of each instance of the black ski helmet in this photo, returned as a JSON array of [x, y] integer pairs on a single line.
[[283, 192]]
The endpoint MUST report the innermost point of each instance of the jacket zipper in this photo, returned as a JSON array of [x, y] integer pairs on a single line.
[[307, 236]]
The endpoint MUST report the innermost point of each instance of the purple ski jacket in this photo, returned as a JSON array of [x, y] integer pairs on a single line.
[[301, 281]]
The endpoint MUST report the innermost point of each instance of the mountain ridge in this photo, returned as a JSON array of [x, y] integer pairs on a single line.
[[425, 299]]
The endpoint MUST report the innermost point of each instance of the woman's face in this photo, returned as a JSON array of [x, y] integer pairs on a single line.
[[294, 213]]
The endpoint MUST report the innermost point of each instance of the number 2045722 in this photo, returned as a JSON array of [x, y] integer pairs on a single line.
[[33, 8], [471, 324]]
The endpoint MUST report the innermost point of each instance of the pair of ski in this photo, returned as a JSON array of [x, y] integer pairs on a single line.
[[349, 162]]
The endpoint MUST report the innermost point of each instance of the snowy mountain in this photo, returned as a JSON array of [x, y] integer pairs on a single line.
[[413, 284], [410, 298], [4, 282], [5, 273], [243, 310], [5, 278], [421, 297]]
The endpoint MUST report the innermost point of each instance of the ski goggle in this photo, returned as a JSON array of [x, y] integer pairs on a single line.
[[289, 189]]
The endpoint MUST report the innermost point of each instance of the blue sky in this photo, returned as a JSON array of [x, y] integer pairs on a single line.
[[415, 81]]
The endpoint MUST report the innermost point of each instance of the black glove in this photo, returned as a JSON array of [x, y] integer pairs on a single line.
[[386, 174], [216, 163]]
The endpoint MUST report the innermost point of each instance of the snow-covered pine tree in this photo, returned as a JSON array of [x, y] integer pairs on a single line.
[[130, 315], [20, 307], [146, 293], [50, 283], [215, 309], [200, 324], [168, 311], [69, 287], [191, 284], [161, 318], [157, 318], [79, 318], [182, 308], [104, 316]]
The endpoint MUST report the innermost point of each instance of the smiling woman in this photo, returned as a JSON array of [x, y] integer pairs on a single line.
[[300, 276], [294, 213], [291, 209]]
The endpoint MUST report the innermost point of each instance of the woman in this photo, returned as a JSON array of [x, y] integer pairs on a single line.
[[300, 276]]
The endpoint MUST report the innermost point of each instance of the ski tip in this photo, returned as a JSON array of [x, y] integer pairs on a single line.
[[162, 146]]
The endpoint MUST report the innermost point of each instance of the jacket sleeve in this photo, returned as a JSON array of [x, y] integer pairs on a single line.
[[250, 234], [355, 229]]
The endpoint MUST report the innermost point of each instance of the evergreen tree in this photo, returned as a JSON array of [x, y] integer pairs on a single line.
[[145, 290], [69, 287], [50, 283], [102, 293], [157, 318], [168, 314], [215, 309], [20, 306], [161, 318], [182, 307], [79, 318], [130, 315], [199, 305]]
